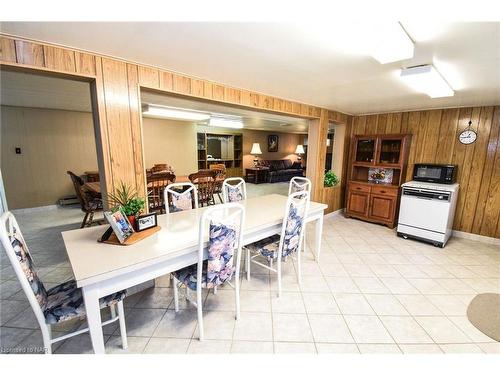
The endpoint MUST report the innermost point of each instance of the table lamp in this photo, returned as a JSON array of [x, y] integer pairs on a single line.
[[299, 151], [255, 151]]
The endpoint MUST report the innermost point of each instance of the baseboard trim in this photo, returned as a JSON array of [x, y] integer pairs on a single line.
[[34, 209], [334, 213], [476, 237]]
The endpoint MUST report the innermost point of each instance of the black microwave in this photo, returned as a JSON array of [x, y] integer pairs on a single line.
[[437, 173]]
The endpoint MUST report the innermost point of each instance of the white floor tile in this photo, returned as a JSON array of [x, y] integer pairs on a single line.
[[353, 304], [386, 304], [254, 327], [320, 303], [337, 348], [161, 345], [294, 348], [379, 349], [291, 327], [460, 348], [209, 347], [405, 330], [252, 347], [330, 328], [289, 302], [442, 330], [368, 329], [420, 349]]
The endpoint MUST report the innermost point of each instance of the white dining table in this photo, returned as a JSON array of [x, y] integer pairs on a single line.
[[101, 269]]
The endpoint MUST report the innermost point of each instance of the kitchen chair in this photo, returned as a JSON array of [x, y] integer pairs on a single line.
[[205, 181], [180, 196], [234, 189], [58, 304], [220, 170], [224, 224], [89, 203], [156, 184], [281, 246], [300, 184]]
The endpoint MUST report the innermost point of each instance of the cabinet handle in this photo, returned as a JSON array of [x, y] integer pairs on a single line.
[[382, 191], [358, 188]]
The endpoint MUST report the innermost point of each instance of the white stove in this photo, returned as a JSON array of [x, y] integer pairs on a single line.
[[426, 211]]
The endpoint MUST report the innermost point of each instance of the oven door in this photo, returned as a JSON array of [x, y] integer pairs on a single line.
[[429, 173], [425, 209]]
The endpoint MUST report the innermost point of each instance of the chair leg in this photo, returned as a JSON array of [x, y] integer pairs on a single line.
[[84, 220], [248, 264], [215, 289], [91, 218], [47, 339], [123, 329], [237, 296], [176, 294], [299, 270], [112, 310], [304, 243], [279, 278], [200, 313]]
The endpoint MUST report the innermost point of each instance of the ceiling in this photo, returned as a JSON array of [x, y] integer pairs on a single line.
[[36, 91], [325, 65], [251, 119]]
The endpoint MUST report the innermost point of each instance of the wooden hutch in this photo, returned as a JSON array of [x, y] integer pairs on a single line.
[[227, 149], [376, 171]]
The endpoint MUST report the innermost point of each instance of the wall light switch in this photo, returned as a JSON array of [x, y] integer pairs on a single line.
[[18, 150]]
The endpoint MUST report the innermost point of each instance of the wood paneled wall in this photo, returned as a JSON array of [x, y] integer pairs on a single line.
[[435, 140], [116, 92]]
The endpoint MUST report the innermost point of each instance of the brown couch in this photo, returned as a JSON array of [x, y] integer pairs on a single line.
[[281, 170]]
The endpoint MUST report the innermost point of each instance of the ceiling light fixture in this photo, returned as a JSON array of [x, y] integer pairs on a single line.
[[174, 113], [392, 43], [226, 122], [426, 79]]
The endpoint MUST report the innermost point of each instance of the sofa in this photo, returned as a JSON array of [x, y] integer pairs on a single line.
[[281, 170]]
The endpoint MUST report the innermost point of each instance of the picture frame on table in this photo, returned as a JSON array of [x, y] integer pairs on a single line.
[[119, 223], [272, 143], [146, 221]]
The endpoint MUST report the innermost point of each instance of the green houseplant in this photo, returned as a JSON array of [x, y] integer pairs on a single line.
[[331, 179], [127, 198]]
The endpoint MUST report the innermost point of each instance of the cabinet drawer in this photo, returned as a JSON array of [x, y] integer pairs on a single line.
[[384, 190], [359, 187]]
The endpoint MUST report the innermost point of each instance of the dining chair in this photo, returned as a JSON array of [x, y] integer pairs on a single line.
[[156, 184], [224, 225], [58, 304], [205, 181], [89, 203], [180, 196], [162, 168], [219, 178], [281, 246], [300, 184], [234, 189]]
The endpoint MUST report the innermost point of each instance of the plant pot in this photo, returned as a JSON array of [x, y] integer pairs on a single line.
[[131, 219]]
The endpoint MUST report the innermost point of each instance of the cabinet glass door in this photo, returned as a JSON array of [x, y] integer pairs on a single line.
[[365, 150], [390, 151]]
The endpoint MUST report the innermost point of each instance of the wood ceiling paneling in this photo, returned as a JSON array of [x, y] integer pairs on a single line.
[[435, 140]]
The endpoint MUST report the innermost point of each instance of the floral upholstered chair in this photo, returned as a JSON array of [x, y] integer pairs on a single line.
[[180, 196], [58, 304], [223, 224], [300, 184], [234, 189], [280, 246]]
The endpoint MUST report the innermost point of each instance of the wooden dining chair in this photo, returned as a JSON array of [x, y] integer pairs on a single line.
[[58, 304], [162, 168], [234, 189], [180, 196], [157, 182], [89, 202], [280, 246], [219, 178], [205, 181], [224, 225]]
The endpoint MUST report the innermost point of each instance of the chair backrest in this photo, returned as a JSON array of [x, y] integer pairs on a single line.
[[80, 193], [220, 170], [205, 179], [180, 196], [234, 189], [224, 223], [162, 168], [157, 183], [22, 262], [293, 223], [299, 184]]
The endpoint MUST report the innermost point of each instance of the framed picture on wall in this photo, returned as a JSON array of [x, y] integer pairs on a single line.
[[272, 143]]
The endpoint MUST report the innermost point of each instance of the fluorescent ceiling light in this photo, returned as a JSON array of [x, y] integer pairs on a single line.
[[226, 122], [426, 79], [174, 113], [392, 43]]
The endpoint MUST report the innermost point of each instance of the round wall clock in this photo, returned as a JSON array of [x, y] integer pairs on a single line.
[[468, 136]]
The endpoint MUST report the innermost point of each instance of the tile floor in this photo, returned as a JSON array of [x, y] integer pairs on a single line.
[[371, 293]]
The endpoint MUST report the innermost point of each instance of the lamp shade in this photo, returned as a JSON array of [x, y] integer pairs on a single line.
[[300, 150], [256, 149]]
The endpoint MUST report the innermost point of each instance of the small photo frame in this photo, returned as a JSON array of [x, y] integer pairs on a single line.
[[272, 143], [120, 224], [146, 221]]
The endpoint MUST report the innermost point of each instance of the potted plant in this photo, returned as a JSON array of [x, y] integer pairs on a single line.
[[130, 203], [331, 179]]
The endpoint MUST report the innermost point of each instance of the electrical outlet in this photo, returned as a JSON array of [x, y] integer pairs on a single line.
[[18, 150]]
